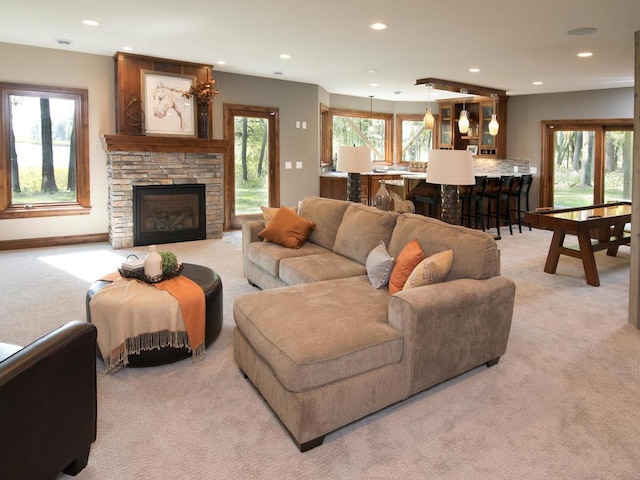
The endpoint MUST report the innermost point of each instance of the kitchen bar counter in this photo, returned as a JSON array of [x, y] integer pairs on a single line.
[[334, 184]]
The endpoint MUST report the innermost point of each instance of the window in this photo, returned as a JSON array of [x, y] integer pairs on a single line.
[[44, 159], [618, 159], [362, 129], [413, 140], [586, 162], [252, 167]]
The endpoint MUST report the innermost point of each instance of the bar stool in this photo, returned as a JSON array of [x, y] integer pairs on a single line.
[[473, 199], [502, 195], [522, 192], [427, 202]]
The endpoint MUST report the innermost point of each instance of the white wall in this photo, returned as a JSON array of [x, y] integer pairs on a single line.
[[38, 66], [526, 113]]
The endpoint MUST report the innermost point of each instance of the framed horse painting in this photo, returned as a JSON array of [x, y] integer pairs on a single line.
[[166, 110]]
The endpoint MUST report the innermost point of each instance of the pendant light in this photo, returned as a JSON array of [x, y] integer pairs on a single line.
[[463, 121], [429, 121], [494, 126], [371, 129]]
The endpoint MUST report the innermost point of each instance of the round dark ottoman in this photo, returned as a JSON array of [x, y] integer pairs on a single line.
[[211, 285]]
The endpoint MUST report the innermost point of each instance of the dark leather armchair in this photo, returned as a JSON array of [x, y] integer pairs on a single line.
[[48, 404]]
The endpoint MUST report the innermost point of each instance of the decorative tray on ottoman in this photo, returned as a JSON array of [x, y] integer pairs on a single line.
[[135, 269]]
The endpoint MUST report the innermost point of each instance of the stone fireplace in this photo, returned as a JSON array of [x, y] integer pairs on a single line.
[[163, 161]]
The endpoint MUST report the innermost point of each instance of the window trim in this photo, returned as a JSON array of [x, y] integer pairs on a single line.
[[599, 127], [326, 136], [416, 117], [82, 205], [327, 132]]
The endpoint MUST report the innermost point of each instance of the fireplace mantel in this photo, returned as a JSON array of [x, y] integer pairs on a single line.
[[177, 144]]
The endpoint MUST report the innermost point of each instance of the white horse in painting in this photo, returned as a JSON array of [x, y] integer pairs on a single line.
[[166, 99]]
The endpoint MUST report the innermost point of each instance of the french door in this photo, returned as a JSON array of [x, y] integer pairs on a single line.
[[252, 165], [586, 162]]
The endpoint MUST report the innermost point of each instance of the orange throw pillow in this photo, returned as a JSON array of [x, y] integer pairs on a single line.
[[410, 256], [288, 229], [269, 212]]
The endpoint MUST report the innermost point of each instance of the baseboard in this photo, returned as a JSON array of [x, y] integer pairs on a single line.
[[53, 241]]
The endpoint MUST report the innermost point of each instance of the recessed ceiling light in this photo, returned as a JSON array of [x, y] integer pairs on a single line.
[[378, 26], [221, 62], [373, 84], [127, 49], [582, 31], [474, 70], [372, 70], [585, 54], [538, 82], [285, 56], [91, 23]]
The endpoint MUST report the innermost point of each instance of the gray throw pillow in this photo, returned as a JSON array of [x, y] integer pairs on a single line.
[[379, 266]]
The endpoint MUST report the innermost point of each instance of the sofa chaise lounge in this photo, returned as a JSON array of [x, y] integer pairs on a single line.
[[326, 348]]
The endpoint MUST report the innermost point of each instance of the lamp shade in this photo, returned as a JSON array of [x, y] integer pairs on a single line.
[[450, 167], [354, 159]]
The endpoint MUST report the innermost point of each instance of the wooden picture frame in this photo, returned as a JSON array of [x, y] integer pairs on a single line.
[[166, 111], [473, 149]]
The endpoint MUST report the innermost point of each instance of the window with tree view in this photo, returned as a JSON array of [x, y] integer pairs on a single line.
[[251, 165], [352, 128], [415, 140], [44, 151], [591, 163], [618, 158]]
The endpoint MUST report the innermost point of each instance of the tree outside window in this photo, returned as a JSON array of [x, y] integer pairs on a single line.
[[42, 159]]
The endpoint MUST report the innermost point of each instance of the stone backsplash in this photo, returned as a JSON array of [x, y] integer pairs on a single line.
[[504, 166]]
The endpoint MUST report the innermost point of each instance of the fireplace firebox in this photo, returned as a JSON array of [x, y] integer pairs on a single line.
[[168, 213]]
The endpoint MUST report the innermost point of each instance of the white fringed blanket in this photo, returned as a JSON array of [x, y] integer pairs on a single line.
[[132, 316]]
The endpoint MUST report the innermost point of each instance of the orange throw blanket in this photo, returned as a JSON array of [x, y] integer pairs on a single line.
[[191, 299]]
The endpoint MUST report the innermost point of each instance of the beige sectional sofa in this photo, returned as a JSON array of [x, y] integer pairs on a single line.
[[325, 348]]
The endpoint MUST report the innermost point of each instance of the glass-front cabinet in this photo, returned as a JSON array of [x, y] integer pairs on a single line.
[[478, 139], [487, 141], [445, 140]]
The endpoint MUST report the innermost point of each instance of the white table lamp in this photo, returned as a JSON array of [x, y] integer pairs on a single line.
[[449, 169], [354, 161]]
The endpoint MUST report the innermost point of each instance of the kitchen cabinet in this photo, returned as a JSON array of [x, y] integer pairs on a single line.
[[480, 110]]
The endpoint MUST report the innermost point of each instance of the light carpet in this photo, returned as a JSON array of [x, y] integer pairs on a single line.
[[563, 403]]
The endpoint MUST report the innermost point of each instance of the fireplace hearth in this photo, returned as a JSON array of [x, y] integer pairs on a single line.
[[168, 213]]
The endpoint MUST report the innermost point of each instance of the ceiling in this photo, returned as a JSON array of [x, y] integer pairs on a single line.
[[512, 42]]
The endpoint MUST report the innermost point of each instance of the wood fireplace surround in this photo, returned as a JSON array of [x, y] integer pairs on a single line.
[[135, 159]]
